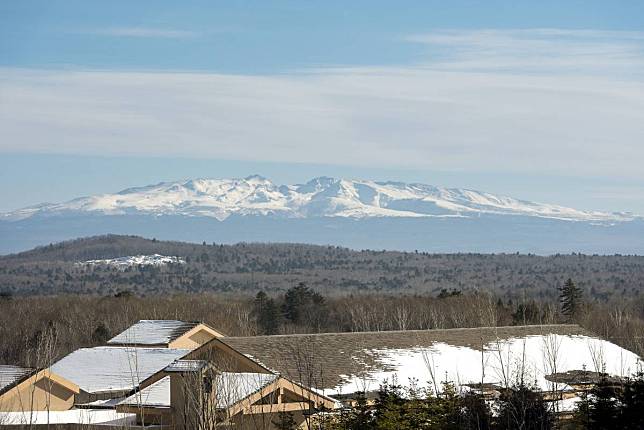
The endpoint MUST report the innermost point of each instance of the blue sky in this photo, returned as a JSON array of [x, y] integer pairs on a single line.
[[539, 100]]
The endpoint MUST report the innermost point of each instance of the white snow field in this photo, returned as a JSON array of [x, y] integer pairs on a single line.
[[94, 417], [320, 197], [502, 362]]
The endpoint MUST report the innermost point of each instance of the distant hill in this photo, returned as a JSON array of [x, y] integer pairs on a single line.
[[328, 211], [250, 267]]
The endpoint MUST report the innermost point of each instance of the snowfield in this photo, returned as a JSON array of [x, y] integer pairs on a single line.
[[503, 363], [135, 260], [320, 197]]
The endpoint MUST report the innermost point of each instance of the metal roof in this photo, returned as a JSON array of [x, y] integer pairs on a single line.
[[152, 332], [114, 368], [11, 375]]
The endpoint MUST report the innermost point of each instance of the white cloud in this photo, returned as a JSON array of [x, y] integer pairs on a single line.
[[146, 32], [481, 106]]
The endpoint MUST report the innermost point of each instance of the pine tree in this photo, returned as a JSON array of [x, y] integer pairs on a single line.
[[302, 304], [267, 314], [570, 297]]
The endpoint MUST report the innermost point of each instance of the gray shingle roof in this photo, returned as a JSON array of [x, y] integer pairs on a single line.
[[152, 332], [11, 375], [327, 360], [114, 368]]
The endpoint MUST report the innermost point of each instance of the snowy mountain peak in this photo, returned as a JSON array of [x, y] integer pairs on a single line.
[[319, 197]]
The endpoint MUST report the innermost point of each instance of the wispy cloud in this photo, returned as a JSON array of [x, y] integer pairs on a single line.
[[535, 50], [503, 101], [146, 32]]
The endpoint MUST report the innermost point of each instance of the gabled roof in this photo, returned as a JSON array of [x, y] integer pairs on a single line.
[[113, 368], [231, 388], [10, 376], [152, 332], [343, 363]]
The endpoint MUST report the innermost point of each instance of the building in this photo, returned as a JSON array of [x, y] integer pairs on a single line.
[[147, 375], [179, 375], [25, 389]]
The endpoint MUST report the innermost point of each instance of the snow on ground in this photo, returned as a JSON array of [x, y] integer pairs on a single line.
[[135, 260], [501, 363], [73, 416]]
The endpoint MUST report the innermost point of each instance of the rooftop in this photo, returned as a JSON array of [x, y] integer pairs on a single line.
[[152, 332], [12, 375], [230, 389], [113, 368], [186, 366], [343, 363]]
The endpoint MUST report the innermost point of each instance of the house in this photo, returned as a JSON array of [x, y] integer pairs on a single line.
[[142, 377], [193, 394], [148, 375], [25, 389], [165, 334], [107, 372]]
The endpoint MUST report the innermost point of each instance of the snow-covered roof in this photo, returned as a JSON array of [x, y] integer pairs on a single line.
[[230, 389], [186, 366], [114, 368], [11, 375], [156, 395], [73, 416], [343, 363], [235, 387], [152, 332]]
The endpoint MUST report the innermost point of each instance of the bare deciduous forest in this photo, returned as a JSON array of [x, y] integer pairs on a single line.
[[250, 289]]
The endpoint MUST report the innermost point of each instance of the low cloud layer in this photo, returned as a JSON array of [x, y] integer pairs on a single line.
[[551, 101]]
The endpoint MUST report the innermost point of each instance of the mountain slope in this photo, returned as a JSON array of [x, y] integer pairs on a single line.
[[320, 197], [327, 211]]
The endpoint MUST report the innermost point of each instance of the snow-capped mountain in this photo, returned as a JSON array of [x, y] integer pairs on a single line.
[[320, 197], [327, 211]]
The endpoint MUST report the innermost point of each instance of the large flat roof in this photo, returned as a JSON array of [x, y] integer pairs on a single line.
[[343, 363]]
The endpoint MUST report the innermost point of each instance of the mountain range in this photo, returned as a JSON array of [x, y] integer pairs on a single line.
[[354, 213]]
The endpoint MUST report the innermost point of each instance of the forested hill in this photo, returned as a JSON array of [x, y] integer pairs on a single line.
[[244, 267]]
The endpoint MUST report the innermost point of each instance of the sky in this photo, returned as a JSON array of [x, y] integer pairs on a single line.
[[537, 100]]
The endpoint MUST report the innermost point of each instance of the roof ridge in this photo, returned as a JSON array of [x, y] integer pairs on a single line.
[[355, 333]]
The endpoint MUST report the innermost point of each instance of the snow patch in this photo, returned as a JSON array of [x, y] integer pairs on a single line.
[[135, 260], [503, 363]]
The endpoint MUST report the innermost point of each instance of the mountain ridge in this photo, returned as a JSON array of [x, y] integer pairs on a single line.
[[319, 197]]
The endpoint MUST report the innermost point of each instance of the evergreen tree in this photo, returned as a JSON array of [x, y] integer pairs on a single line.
[[101, 334], [267, 314], [632, 414], [570, 297], [302, 305], [523, 408]]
